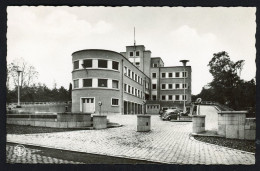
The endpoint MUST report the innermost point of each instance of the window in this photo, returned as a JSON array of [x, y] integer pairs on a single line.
[[76, 64], [138, 79], [76, 83], [87, 82], [102, 63], [133, 75], [129, 72], [154, 86], [147, 85], [163, 75], [137, 53], [155, 65], [163, 86], [125, 86], [170, 97], [102, 82], [177, 86], [125, 70], [163, 97], [154, 75], [170, 86], [184, 74], [133, 90], [177, 74], [170, 75], [129, 88], [177, 97], [154, 97], [114, 84], [141, 94], [137, 63], [184, 97], [131, 53], [141, 81], [115, 102], [115, 65], [138, 93], [87, 63], [184, 85]]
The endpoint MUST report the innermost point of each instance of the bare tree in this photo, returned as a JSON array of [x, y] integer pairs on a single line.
[[27, 77]]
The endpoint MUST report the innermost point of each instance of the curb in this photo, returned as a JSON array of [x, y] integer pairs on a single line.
[[241, 151]]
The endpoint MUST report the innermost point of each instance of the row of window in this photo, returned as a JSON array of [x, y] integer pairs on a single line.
[[137, 53], [153, 107], [171, 75], [171, 97], [96, 82], [96, 63], [135, 77], [134, 91], [170, 86]]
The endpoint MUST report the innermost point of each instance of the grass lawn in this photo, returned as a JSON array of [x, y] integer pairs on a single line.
[[244, 145]]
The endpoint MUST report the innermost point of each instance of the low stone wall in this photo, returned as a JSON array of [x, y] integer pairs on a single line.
[[51, 124], [33, 108], [232, 124], [61, 120], [75, 117], [250, 128]]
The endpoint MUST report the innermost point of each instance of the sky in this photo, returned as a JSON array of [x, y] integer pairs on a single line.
[[46, 37]]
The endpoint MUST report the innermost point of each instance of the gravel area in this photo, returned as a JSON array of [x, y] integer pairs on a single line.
[[244, 145], [24, 129]]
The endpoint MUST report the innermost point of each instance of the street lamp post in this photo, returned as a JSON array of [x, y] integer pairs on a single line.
[[19, 71], [184, 62]]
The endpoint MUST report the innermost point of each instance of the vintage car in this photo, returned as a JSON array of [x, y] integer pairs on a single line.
[[171, 114]]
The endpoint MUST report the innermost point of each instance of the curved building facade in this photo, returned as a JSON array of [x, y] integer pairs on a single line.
[[110, 78]]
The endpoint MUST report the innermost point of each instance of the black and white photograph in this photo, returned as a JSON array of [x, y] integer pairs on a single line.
[[131, 85]]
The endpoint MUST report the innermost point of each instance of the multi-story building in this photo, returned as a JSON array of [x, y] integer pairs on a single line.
[[129, 82]]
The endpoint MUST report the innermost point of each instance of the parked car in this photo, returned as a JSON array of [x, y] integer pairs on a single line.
[[171, 114]]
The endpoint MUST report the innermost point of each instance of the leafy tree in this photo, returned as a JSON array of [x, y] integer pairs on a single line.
[[227, 87], [225, 78]]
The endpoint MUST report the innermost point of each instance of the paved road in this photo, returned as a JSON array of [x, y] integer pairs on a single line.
[[168, 142], [211, 120]]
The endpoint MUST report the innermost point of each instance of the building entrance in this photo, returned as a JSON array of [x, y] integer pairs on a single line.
[[88, 105]]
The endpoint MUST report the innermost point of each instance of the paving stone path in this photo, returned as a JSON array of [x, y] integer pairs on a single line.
[[168, 142]]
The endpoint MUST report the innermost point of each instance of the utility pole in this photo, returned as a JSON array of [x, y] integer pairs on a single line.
[[18, 71], [184, 87]]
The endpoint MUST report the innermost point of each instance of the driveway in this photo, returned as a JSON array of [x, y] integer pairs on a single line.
[[167, 142]]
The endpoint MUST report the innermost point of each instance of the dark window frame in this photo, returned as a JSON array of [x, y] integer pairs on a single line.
[[99, 83], [102, 62], [115, 65], [114, 100], [163, 75], [84, 83], [76, 65], [87, 64], [116, 82], [163, 86]]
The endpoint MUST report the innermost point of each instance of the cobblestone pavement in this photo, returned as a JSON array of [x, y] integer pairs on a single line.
[[167, 142], [30, 156]]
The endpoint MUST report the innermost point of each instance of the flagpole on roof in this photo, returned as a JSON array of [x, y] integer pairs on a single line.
[[134, 47]]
